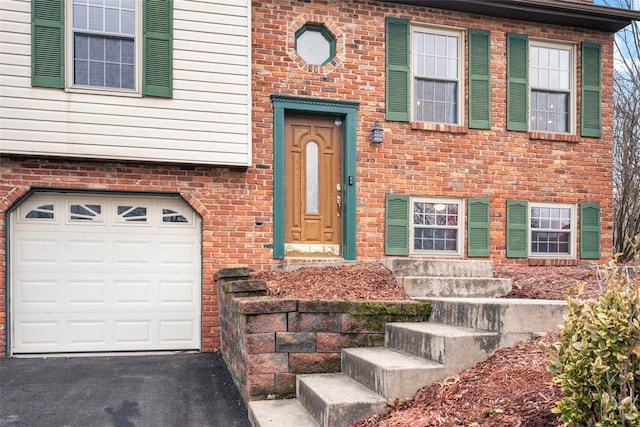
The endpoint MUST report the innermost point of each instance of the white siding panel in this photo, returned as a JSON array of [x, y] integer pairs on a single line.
[[208, 120]]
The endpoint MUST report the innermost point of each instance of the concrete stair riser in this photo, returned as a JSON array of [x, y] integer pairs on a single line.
[[279, 413], [335, 400], [455, 347], [454, 286], [392, 374], [439, 268], [508, 316]]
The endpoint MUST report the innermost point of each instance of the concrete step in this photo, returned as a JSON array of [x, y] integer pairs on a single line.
[[390, 373], [505, 315], [335, 400], [439, 267], [455, 347], [279, 413], [419, 286]]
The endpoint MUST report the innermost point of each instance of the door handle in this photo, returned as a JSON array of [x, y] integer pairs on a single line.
[[339, 203]]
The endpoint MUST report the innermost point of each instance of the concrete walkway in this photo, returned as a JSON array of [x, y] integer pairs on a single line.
[[185, 390]]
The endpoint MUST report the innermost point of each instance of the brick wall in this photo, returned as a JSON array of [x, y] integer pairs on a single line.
[[219, 195], [236, 204], [422, 159], [265, 342]]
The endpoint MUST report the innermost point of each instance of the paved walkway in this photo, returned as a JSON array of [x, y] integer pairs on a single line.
[[183, 390]]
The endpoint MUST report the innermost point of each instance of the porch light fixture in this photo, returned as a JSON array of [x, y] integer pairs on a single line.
[[375, 134]]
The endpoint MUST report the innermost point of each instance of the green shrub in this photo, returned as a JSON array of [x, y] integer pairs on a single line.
[[597, 363]]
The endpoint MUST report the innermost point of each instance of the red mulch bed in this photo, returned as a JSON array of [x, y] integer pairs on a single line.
[[511, 388]]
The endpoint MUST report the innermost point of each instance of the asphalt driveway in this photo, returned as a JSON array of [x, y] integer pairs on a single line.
[[184, 390]]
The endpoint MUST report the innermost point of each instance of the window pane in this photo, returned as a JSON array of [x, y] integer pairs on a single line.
[[313, 47], [112, 20], [128, 51], [128, 77], [112, 75], [96, 73], [96, 19], [312, 178], [96, 48], [128, 22], [112, 49], [79, 16], [81, 72], [435, 101], [81, 47], [549, 111]]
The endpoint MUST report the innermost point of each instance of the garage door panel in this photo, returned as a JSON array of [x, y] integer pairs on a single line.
[[87, 253], [103, 279], [37, 252], [38, 293]]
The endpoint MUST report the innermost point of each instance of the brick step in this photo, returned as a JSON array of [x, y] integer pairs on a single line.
[[418, 286], [390, 373]]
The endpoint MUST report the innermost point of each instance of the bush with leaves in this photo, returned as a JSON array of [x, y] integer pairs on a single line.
[[597, 360]]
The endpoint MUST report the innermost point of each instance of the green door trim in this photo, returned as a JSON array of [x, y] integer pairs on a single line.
[[346, 110]]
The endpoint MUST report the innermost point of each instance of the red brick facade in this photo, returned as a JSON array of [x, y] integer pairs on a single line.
[[236, 205], [423, 159]]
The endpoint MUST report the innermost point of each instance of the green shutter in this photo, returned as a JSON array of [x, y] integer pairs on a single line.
[[479, 79], [47, 43], [157, 75], [591, 95], [478, 228], [396, 224], [398, 70], [517, 232], [517, 82], [590, 230]]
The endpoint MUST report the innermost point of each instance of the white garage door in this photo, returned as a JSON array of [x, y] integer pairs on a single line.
[[104, 273]]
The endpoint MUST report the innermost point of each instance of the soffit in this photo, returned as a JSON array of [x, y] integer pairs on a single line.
[[565, 13]]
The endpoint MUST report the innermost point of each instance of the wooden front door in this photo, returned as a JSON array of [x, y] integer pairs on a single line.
[[313, 186]]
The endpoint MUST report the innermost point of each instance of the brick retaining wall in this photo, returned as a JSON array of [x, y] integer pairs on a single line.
[[266, 341]]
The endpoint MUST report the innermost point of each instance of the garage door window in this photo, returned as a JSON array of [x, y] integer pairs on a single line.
[[170, 215], [132, 213], [41, 212], [85, 213]]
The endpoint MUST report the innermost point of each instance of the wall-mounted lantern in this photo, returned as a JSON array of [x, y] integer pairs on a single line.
[[375, 134]]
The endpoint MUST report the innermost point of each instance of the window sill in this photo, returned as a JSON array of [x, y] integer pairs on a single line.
[[552, 262], [561, 137], [439, 127]]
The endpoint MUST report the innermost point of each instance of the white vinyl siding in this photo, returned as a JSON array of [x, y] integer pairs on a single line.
[[207, 120]]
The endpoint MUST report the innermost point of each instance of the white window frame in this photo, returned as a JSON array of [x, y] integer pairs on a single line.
[[573, 232], [69, 57], [572, 85], [459, 227], [459, 34]]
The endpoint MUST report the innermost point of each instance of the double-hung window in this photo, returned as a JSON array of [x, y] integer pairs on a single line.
[[436, 76], [542, 90], [104, 44], [552, 230], [425, 79], [551, 72], [115, 46], [436, 226]]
